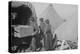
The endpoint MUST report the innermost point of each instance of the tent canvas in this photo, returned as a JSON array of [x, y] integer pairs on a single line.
[[51, 14]]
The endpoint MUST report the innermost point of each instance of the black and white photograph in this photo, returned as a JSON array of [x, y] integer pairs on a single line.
[[39, 26]]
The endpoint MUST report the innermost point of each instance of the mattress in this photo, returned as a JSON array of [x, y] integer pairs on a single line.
[[24, 31]]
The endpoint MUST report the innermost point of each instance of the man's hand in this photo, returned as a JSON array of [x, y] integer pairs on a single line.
[[34, 33]]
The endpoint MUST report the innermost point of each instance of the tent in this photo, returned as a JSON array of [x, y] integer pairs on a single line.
[[69, 29], [64, 30], [27, 4], [24, 11], [51, 14]]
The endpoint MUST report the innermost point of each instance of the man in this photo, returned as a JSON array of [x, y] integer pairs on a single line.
[[42, 25], [42, 29]]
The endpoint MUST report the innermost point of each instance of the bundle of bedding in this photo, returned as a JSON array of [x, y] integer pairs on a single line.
[[66, 44]]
